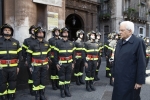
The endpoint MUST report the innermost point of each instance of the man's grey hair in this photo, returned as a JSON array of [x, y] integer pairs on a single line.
[[129, 25]]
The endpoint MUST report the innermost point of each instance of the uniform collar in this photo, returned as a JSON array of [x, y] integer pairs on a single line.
[[6, 39], [40, 41]]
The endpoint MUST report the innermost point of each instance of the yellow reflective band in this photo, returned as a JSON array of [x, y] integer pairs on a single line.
[[39, 64], [35, 88], [92, 78], [25, 46], [19, 49], [48, 50], [52, 47], [87, 78], [97, 70], [38, 53], [57, 77], [101, 48], [3, 52], [109, 74], [41, 87], [77, 57], [67, 82], [92, 50], [80, 74], [56, 49], [61, 83], [79, 49], [11, 91], [29, 51], [62, 51], [4, 93], [69, 61], [107, 68], [91, 58], [53, 77], [12, 52], [74, 48], [10, 65], [30, 81], [52, 56], [76, 74]]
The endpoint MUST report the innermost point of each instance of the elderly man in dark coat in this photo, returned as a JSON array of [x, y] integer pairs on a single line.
[[129, 64]]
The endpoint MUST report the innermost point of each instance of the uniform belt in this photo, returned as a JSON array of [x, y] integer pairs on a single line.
[[39, 60], [78, 54], [12, 61], [65, 58], [92, 56]]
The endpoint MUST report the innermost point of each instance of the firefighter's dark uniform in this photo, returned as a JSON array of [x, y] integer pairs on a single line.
[[54, 72], [64, 56], [92, 57], [99, 61], [107, 51], [25, 46], [10, 54], [37, 56], [79, 65]]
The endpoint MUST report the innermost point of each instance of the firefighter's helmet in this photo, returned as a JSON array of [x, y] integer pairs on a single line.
[[55, 29], [30, 29], [7, 26], [63, 30], [37, 30], [89, 34], [79, 32]]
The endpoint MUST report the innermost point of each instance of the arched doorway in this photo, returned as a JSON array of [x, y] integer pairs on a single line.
[[74, 22]]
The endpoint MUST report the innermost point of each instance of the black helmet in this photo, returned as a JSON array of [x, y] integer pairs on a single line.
[[98, 33], [79, 32], [63, 30], [55, 29], [146, 39], [30, 29], [37, 30], [7, 26], [89, 34]]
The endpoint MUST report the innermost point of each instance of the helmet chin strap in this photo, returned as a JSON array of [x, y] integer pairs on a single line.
[[7, 35]]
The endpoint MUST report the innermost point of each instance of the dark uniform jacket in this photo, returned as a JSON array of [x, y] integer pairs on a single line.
[[38, 50], [25, 46], [10, 49], [129, 67], [64, 49]]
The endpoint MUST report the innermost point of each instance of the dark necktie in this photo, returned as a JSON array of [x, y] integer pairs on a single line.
[[124, 41]]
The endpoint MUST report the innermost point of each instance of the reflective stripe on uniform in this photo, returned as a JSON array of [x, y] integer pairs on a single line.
[[107, 68], [91, 58], [79, 49], [97, 70], [4, 93], [30, 81], [80, 73], [29, 51], [35, 88], [77, 57], [91, 78], [11, 91], [57, 77], [39, 53], [67, 82], [25, 46], [69, 61], [109, 74], [76, 74], [39, 64], [92, 50], [53, 77], [19, 49], [61, 83], [41, 87], [10, 65], [87, 78]]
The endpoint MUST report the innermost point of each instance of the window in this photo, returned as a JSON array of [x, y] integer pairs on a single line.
[[126, 5], [142, 11], [141, 32], [106, 29]]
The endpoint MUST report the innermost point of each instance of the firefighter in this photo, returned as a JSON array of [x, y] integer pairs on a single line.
[[107, 51], [38, 55], [91, 61], [25, 46], [10, 57], [54, 72], [79, 55], [64, 56], [147, 43], [98, 37]]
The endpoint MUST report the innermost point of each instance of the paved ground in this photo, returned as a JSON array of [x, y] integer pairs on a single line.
[[103, 92]]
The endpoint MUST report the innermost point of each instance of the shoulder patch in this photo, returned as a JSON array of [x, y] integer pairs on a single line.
[[45, 44], [14, 43]]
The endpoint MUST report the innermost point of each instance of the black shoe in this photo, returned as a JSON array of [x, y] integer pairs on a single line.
[[77, 81], [92, 86], [67, 91], [81, 79], [54, 85], [4, 97], [11, 97], [62, 91], [37, 95], [42, 94], [31, 90], [88, 86]]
